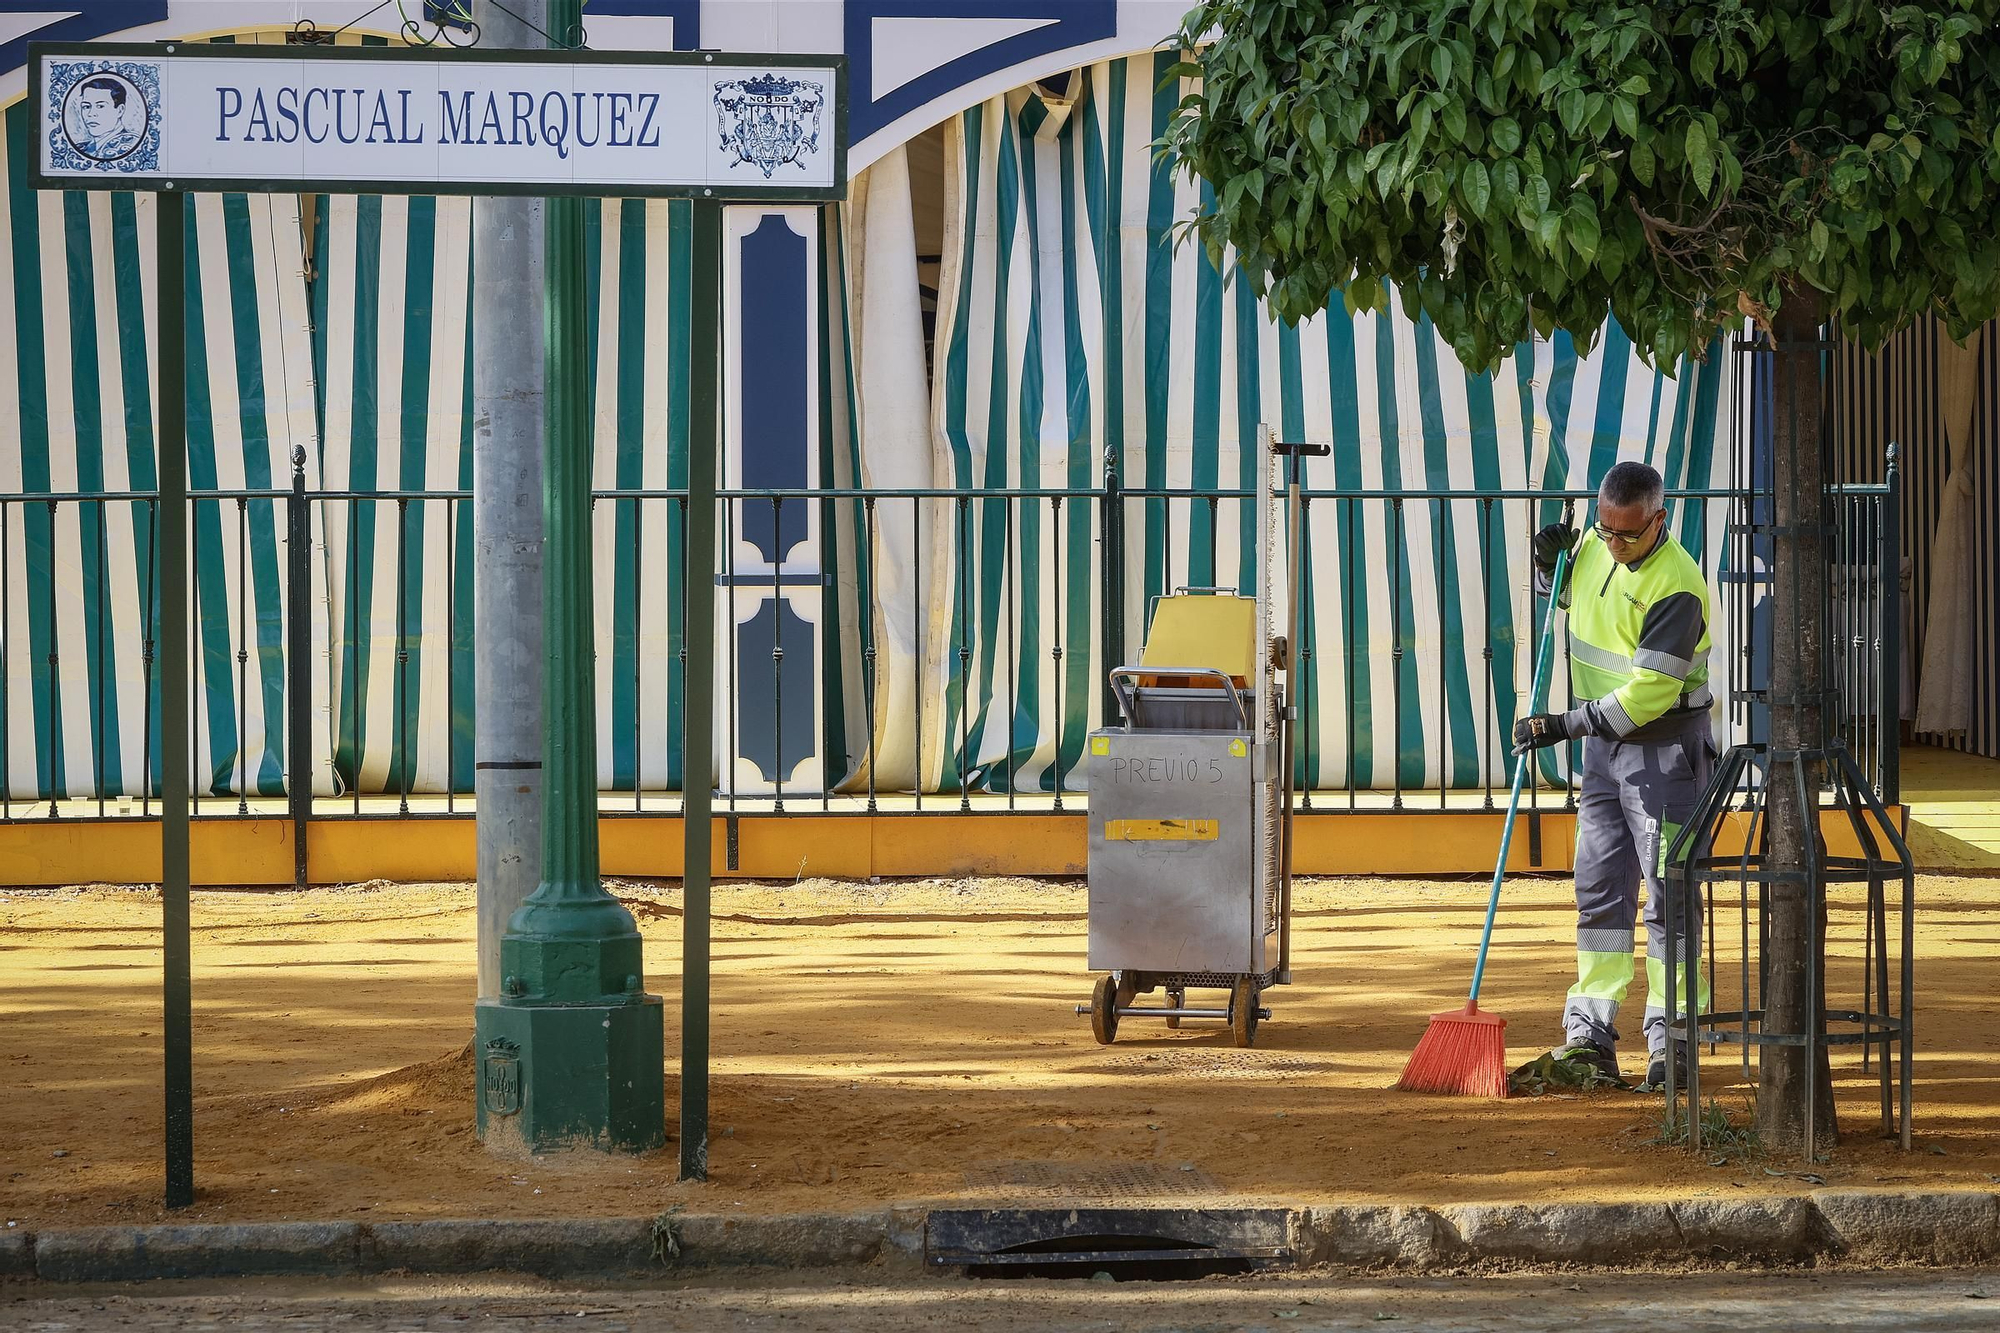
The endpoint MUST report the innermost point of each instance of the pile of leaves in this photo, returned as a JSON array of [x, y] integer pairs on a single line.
[[1547, 1073]]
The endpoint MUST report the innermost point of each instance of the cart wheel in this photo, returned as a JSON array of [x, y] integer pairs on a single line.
[[1243, 1011], [1175, 999], [1104, 1011]]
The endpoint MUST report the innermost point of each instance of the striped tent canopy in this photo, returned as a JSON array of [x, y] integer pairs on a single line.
[[77, 281], [1072, 328]]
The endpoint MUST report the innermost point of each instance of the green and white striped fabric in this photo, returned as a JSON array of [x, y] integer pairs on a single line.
[[640, 259], [77, 287], [1070, 326], [393, 321], [390, 349]]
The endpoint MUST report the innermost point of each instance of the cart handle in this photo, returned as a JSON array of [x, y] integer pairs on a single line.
[[1120, 676]]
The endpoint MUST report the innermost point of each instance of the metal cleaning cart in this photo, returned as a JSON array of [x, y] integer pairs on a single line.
[[1190, 806]]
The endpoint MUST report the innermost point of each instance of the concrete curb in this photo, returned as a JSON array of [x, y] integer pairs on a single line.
[[244, 1249], [1771, 1230], [545, 1248], [1849, 1226], [1594, 1234], [799, 1242], [1944, 1229], [17, 1254]]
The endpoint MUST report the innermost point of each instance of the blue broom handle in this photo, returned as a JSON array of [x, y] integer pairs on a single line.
[[1543, 657]]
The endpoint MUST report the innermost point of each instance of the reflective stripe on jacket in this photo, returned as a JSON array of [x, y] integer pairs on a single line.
[[1638, 642]]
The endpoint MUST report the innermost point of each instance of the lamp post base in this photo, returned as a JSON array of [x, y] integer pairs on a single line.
[[556, 1076]]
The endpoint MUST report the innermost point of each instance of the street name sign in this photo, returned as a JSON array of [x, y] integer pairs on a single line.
[[375, 120]]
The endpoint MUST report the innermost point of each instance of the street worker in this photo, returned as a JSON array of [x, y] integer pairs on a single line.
[[1638, 646]]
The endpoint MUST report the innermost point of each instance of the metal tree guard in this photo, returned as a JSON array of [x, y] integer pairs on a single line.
[[1728, 839], [1736, 803]]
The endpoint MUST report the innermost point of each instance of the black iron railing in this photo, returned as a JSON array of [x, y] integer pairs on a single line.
[[989, 618]]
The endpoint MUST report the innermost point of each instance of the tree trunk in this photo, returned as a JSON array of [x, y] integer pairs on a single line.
[[1796, 952]]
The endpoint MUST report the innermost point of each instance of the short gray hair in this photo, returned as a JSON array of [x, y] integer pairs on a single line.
[[1632, 484]]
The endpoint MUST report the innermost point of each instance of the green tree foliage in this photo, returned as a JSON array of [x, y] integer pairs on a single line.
[[1511, 165]]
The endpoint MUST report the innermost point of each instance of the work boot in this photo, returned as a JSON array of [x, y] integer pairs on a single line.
[[1656, 1070], [1600, 1060]]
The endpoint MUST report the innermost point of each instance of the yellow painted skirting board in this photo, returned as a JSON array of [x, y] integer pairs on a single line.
[[258, 851]]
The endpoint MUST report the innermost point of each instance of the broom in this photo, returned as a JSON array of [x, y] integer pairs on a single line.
[[1464, 1051]]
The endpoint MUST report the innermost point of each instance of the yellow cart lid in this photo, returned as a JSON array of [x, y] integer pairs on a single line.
[[1218, 633]]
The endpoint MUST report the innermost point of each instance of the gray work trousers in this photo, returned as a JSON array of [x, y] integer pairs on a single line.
[[1633, 800]]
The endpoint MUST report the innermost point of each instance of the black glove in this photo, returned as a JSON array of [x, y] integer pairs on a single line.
[[1538, 730], [1551, 542]]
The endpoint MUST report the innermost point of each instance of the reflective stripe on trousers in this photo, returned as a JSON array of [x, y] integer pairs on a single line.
[[1633, 799]]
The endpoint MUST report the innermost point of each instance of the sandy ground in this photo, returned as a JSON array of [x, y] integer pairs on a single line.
[[1495, 1303], [1954, 805], [908, 1041]]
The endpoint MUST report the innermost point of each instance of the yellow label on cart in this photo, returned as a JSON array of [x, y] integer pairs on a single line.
[[1161, 830], [1100, 745], [1238, 748]]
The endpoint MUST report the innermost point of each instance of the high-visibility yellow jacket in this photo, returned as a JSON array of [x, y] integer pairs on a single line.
[[1638, 642]]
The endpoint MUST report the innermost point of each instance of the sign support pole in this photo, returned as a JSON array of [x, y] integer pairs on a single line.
[[170, 529], [698, 725]]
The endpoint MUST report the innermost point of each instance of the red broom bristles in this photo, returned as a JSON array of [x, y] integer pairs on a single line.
[[1463, 1052]]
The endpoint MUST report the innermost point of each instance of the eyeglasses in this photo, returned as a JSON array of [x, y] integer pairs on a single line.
[[1605, 534]]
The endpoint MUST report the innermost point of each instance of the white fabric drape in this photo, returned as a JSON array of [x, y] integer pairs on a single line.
[[1945, 701], [892, 413]]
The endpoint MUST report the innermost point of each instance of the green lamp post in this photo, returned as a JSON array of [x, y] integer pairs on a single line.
[[571, 1052]]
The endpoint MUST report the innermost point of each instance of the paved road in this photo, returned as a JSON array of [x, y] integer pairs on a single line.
[[1572, 1303]]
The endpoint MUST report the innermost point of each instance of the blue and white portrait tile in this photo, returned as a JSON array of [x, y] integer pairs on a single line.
[[103, 116]]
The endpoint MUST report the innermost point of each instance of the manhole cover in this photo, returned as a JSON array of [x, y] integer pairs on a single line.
[[1148, 1241], [1217, 1064], [1111, 1180]]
